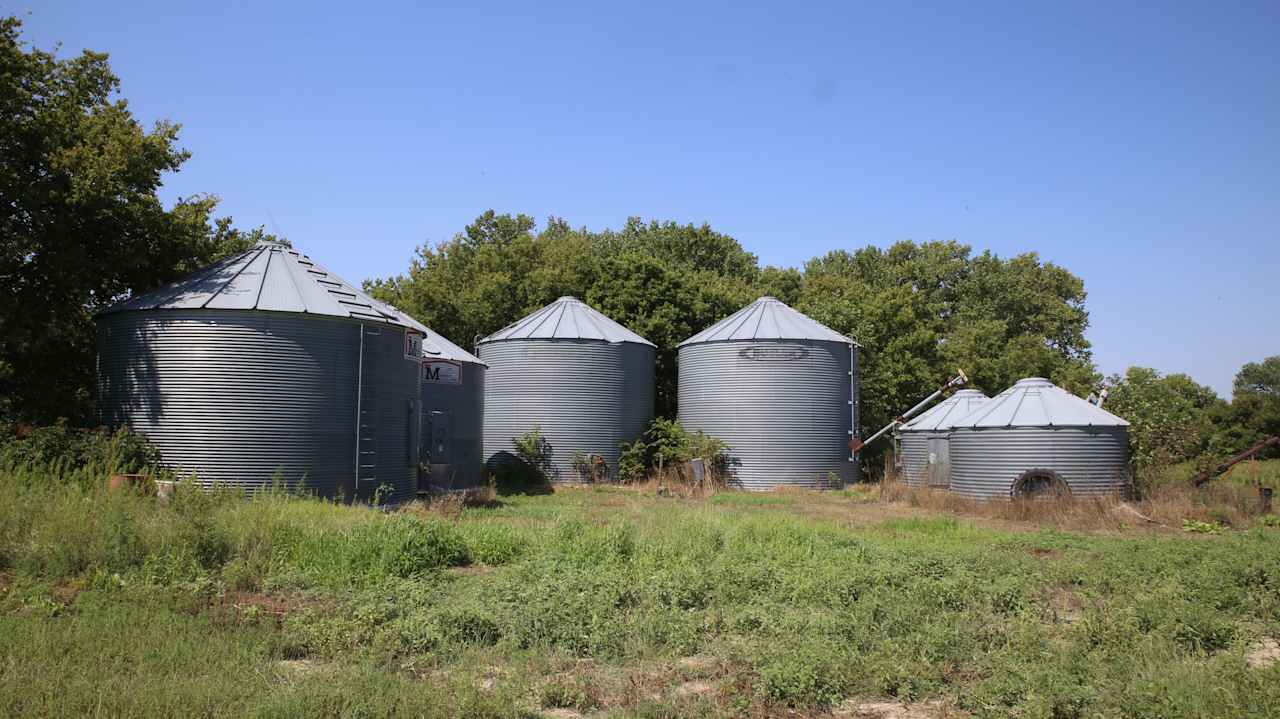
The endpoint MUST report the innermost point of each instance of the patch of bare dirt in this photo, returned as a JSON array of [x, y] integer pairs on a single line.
[[889, 709], [698, 664], [695, 689], [1064, 606], [303, 667], [1042, 553], [1263, 654], [65, 594], [237, 606], [561, 713]]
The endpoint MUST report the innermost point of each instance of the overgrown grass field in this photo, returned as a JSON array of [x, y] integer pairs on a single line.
[[618, 602]]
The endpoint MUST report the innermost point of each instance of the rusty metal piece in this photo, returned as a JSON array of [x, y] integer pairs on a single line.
[[1255, 449]]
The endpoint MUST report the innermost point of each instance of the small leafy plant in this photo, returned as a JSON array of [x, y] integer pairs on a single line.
[[1198, 527]]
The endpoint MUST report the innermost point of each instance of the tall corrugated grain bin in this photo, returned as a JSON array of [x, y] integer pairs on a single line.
[[925, 440], [452, 415], [1036, 438], [781, 389], [585, 381], [266, 367]]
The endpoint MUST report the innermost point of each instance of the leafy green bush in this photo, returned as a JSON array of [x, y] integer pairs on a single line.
[[670, 440], [464, 625], [60, 446], [534, 450], [808, 675]]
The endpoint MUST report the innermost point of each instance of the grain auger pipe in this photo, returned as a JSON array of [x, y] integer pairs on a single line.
[[1207, 475], [856, 444]]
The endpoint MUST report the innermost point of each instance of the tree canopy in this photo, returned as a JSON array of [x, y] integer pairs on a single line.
[[81, 224], [1259, 378], [919, 310], [1173, 419]]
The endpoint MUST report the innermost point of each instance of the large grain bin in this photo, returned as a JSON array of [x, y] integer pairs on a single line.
[[780, 389], [266, 367], [925, 440], [452, 442], [1036, 438], [585, 381]]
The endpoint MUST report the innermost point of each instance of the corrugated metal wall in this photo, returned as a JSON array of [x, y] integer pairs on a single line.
[[454, 414], [1093, 461], [917, 449], [238, 396], [914, 448], [586, 395], [781, 405]]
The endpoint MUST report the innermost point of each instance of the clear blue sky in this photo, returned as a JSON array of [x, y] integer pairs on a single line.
[[1138, 146]]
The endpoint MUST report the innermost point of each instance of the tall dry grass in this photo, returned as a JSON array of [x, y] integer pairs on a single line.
[[1166, 505], [678, 480]]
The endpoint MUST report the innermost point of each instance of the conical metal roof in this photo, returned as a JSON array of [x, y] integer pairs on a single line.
[[271, 277], [944, 414], [767, 318], [1037, 402], [567, 318]]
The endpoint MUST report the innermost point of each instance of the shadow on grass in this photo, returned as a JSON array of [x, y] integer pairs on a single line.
[[514, 477]]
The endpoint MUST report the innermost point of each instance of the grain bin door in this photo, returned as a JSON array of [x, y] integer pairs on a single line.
[[939, 462], [440, 448], [439, 423]]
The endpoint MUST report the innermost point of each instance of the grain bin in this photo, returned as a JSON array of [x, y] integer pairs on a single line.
[[266, 367], [925, 440], [780, 389], [1036, 438], [585, 381], [452, 440]]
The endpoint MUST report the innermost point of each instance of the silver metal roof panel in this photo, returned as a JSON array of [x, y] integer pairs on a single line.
[[567, 318], [271, 277], [767, 319], [1037, 402], [944, 414]]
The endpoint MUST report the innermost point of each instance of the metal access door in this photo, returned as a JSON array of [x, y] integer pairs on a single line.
[[439, 449], [939, 462]]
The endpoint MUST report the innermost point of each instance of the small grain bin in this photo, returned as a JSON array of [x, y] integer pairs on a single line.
[[583, 380], [1036, 438], [265, 367], [452, 441], [925, 440], [780, 389]]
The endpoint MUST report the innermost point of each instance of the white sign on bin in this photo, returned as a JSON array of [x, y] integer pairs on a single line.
[[441, 372], [412, 345]]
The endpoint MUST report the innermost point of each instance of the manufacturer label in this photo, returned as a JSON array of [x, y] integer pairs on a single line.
[[773, 354], [441, 372], [412, 345]]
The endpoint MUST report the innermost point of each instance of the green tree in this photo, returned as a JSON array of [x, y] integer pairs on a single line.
[[1170, 417], [1259, 378], [920, 311], [1254, 412], [81, 225], [663, 281]]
